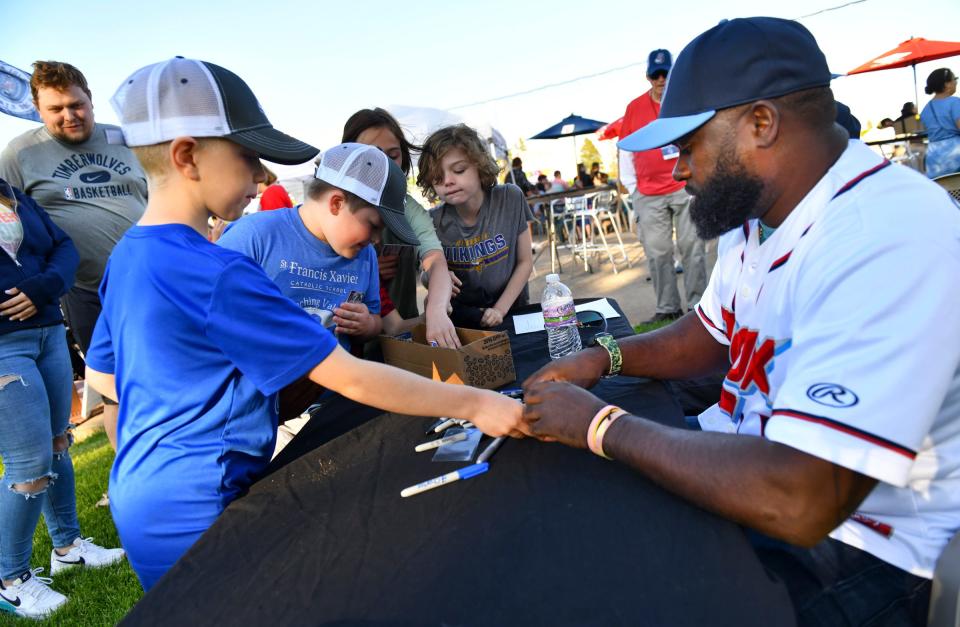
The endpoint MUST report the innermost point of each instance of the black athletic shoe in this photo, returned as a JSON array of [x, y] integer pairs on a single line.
[[664, 317]]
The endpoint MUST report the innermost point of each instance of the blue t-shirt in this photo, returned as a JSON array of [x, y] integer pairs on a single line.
[[306, 269], [940, 118], [200, 341]]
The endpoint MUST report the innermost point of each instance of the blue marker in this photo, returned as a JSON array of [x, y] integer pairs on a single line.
[[436, 482], [513, 392]]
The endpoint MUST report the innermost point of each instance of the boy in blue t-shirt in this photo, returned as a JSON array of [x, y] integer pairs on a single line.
[[319, 253], [195, 340]]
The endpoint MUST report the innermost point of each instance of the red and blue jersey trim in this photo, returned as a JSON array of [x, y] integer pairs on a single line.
[[779, 263], [859, 178], [849, 430]]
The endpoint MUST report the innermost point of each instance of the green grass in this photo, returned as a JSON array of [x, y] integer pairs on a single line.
[[652, 326], [96, 597]]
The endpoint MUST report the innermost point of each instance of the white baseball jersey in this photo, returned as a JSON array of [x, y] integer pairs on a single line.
[[844, 335]]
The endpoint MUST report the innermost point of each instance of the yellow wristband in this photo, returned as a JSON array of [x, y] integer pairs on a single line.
[[602, 429], [595, 423]]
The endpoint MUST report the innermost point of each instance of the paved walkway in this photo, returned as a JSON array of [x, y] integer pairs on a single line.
[[629, 286]]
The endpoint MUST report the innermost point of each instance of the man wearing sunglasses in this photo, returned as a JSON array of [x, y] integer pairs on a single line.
[[659, 201]]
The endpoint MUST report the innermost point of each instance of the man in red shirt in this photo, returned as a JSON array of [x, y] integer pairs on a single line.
[[659, 201]]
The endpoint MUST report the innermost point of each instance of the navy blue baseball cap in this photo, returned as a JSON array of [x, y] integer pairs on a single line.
[[735, 62], [659, 59]]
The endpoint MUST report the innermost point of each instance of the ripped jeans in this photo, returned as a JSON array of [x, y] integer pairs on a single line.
[[35, 380]]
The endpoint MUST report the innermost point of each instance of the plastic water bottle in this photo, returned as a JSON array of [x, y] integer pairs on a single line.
[[559, 318]]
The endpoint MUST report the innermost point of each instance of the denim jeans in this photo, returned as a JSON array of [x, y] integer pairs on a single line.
[[35, 380], [833, 585]]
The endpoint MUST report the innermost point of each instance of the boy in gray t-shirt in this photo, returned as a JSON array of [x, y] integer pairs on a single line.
[[484, 228]]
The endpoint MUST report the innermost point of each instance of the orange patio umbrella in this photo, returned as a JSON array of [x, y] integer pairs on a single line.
[[910, 52]]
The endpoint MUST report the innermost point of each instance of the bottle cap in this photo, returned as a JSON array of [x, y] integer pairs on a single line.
[[553, 278]]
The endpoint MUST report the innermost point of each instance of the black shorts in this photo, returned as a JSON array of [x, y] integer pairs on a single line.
[[81, 308]]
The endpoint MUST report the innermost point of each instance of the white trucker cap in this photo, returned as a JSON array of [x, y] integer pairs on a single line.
[[185, 97], [371, 175]]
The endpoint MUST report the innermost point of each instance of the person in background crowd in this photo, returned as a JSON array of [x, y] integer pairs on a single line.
[[272, 194], [398, 270], [584, 180], [86, 179], [597, 175], [661, 204], [907, 124], [941, 117], [517, 177], [558, 184], [909, 121], [848, 121], [37, 265], [543, 184]]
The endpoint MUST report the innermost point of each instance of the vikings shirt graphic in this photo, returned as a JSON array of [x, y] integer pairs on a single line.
[[476, 253]]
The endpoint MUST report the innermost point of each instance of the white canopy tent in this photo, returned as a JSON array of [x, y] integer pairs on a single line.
[[419, 122]]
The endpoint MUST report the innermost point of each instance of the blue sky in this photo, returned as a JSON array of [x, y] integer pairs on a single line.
[[313, 63]]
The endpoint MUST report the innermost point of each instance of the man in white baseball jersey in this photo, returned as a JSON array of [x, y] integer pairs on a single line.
[[837, 321]]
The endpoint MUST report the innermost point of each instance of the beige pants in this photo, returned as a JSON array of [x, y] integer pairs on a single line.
[[656, 218]]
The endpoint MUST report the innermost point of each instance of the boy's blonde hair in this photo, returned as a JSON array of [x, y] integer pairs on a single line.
[[440, 143], [155, 158]]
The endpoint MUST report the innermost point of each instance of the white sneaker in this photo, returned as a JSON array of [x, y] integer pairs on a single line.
[[84, 553], [30, 596]]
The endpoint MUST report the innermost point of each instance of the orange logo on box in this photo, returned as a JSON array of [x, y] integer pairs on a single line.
[[454, 378]]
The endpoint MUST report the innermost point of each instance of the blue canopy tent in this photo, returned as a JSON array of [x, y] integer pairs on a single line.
[[570, 126]]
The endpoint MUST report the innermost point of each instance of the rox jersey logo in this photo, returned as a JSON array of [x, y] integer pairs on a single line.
[[751, 361]]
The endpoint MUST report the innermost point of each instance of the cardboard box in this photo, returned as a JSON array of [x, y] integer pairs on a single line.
[[484, 360]]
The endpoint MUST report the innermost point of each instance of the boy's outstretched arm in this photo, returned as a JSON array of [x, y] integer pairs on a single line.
[[102, 382], [519, 278], [395, 390], [439, 327]]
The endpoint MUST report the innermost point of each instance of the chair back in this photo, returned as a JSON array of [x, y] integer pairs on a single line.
[[951, 183], [577, 203], [945, 590]]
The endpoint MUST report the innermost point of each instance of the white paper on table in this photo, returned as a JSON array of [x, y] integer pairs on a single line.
[[529, 323]]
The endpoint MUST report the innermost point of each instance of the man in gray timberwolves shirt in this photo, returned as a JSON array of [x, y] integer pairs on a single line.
[[90, 184]]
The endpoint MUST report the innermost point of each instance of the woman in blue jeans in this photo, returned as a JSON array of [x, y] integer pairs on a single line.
[[37, 265]]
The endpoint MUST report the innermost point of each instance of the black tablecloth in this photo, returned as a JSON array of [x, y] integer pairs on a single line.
[[550, 536]]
